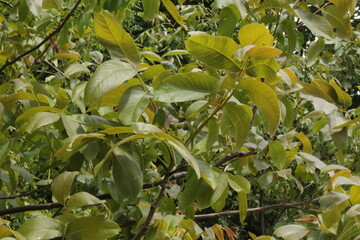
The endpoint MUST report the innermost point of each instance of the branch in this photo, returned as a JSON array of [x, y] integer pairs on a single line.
[[258, 209], [56, 69], [47, 38], [25, 193], [6, 3]]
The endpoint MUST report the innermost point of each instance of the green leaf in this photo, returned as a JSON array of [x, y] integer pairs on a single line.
[[265, 99], [314, 50], [278, 154], [222, 185], [292, 232], [229, 16], [316, 23], [184, 87], [81, 199], [262, 53], [214, 51], [263, 71], [208, 174], [331, 200], [24, 118], [243, 205], [255, 34], [127, 174], [187, 197], [339, 21], [49, 4], [239, 183], [116, 5], [203, 195], [41, 227], [115, 38], [61, 186], [132, 104], [107, 76], [91, 228], [75, 68], [171, 8], [326, 88], [39, 120], [343, 98], [236, 121], [151, 8]]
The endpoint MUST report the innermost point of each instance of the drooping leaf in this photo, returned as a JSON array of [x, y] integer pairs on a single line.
[[316, 23], [214, 51], [265, 99], [132, 104], [255, 34], [115, 38], [307, 147], [243, 205], [151, 8], [236, 121], [127, 174], [314, 50], [187, 197], [208, 174], [108, 76], [239, 183], [184, 87], [91, 228], [221, 186], [339, 21], [61, 186], [278, 154]]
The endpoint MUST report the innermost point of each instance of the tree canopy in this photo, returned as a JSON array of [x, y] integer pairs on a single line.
[[163, 119]]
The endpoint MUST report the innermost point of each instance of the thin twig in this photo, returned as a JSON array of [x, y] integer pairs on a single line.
[[6, 3], [258, 209], [47, 38], [56, 69], [25, 193]]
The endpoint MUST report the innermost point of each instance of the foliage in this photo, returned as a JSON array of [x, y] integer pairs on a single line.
[[124, 119]]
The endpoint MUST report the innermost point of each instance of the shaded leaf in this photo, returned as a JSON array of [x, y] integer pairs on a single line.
[[61, 186]]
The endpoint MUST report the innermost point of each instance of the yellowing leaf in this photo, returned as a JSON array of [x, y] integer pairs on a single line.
[[262, 53], [115, 38], [68, 55], [49, 4], [255, 34], [265, 99], [343, 98], [218, 232], [278, 154], [305, 141]]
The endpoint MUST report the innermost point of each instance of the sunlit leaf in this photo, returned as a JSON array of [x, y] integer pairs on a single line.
[[215, 51], [151, 8], [171, 8], [255, 34]]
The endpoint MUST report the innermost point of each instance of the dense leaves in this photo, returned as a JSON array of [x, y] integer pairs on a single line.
[[161, 119]]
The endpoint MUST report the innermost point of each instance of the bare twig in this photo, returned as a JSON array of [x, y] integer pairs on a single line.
[[47, 38], [258, 209], [6, 3]]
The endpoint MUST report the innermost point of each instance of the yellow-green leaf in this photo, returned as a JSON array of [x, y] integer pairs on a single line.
[[49, 4], [243, 205], [265, 99], [171, 8], [61, 186], [278, 154], [214, 51], [255, 34], [115, 38], [343, 98], [307, 147]]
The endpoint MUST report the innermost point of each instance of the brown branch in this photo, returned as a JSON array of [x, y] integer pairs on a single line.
[[56, 69], [25, 193], [47, 38], [258, 209], [6, 3]]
